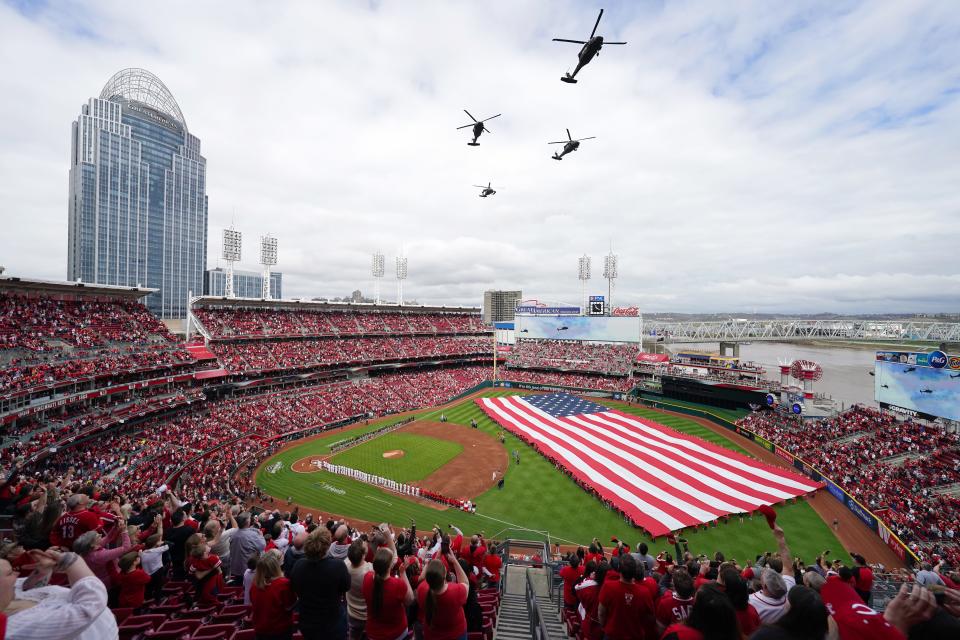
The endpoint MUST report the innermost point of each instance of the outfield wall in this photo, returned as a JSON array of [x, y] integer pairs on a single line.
[[861, 512]]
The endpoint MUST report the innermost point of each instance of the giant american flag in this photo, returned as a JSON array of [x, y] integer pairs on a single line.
[[663, 480]]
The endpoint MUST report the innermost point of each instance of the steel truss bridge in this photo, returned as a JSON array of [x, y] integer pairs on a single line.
[[796, 330]]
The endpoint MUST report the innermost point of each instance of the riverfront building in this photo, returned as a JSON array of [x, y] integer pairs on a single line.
[[138, 194]]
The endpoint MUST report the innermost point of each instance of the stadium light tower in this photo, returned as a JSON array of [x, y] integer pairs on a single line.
[[583, 273], [232, 240], [610, 273], [401, 276], [268, 258], [377, 269]]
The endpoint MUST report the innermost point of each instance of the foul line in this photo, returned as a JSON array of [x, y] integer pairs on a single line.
[[519, 528]]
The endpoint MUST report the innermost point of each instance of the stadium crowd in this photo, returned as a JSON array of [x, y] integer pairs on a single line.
[[228, 322], [597, 357], [854, 449], [258, 356], [571, 380]]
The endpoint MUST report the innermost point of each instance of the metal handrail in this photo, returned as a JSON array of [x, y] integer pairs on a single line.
[[538, 627]]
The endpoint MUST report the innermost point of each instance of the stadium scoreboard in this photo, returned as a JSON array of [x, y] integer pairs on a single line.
[[918, 384], [597, 306]]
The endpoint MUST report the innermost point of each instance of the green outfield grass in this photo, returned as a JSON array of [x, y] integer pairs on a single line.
[[421, 456], [538, 501]]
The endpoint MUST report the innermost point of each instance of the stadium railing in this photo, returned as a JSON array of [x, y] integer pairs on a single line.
[[538, 626], [852, 504]]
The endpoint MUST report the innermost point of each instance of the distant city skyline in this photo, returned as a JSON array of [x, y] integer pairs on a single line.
[[784, 158], [137, 205]]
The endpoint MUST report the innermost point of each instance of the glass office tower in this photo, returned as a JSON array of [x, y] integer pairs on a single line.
[[137, 196]]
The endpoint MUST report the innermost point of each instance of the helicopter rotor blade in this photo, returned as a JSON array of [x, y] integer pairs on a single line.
[[492, 117], [606, 43], [468, 113], [582, 139], [592, 33], [569, 137], [565, 40], [487, 130], [479, 186], [465, 126], [561, 142]]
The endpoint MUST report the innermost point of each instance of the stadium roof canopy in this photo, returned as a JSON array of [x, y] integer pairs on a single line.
[[321, 305], [139, 85], [58, 287]]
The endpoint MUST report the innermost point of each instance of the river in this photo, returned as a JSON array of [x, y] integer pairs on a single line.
[[846, 369]]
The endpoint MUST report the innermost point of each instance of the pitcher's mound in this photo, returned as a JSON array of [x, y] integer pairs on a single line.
[[396, 453]]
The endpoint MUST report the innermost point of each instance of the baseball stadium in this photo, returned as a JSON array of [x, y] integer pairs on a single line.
[[281, 416]]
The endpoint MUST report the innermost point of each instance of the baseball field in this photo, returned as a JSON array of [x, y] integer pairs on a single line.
[[536, 500]]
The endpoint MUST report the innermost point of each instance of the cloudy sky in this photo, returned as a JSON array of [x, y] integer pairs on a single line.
[[793, 157]]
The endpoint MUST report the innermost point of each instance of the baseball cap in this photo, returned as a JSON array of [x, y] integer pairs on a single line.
[[855, 620]]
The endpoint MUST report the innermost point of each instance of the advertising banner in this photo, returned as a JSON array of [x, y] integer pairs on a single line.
[[593, 328], [763, 442], [783, 453], [921, 385]]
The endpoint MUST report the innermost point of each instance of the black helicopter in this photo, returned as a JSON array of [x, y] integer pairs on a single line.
[[909, 369], [955, 376], [485, 190], [591, 48], [478, 127], [569, 145], [885, 386], [926, 390]]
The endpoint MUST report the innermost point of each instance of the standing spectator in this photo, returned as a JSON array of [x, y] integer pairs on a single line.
[[294, 552], [244, 544], [358, 567], [863, 578], [132, 581], [927, 577], [272, 600], [441, 603], [625, 607], [736, 590], [771, 601], [492, 563], [805, 619], [386, 598], [103, 562], [675, 604], [206, 572], [571, 575], [151, 560], [176, 537], [75, 522], [320, 583], [643, 556], [219, 540]]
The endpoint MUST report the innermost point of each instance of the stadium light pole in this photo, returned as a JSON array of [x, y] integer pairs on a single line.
[[268, 258], [401, 276], [610, 273], [377, 269], [232, 242], [584, 275]]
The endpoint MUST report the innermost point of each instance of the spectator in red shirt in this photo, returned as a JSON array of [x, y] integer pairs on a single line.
[[132, 581], [626, 608], [206, 574], [76, 522], [712, 616], [863, 577], [272, 599], [387, 598], [571, 575], [441, 603], [492, 563], [675, 604]]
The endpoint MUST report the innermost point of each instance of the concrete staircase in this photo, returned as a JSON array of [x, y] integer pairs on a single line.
[[513, 619]]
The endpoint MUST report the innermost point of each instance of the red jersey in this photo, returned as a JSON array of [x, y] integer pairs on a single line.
[[132, 587], [71, 526], [473, 556], [864, 579], [493, 563], [749, 620], [449, 622], [391, 621], [672, 609], [587, 592], [272, 607], [570, 577], [652, 586], [629, 611], [212, 583]]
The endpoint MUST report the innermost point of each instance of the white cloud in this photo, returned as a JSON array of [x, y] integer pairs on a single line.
[[778, 157]]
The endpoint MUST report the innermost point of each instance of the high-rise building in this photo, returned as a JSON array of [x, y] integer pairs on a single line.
[[246, 284], [500, 306], [138, 194]]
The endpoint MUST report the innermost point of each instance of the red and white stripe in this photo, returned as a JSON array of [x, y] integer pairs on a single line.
[[662, 479]]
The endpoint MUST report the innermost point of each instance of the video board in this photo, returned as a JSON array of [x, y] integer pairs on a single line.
[[924, 385], [592, 328]]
